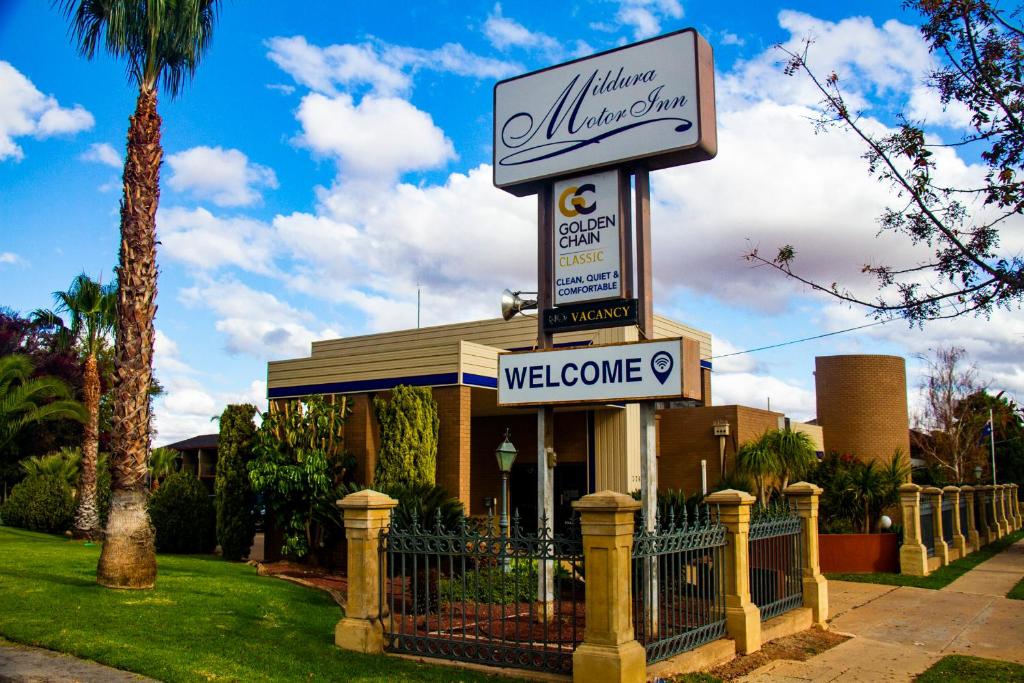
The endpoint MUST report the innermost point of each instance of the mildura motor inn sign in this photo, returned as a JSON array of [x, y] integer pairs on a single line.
[[652, 100]]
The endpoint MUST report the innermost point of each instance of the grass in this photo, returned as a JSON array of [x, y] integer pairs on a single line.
[[964, 668], [942, 577], [206, 620], [1017, 592]]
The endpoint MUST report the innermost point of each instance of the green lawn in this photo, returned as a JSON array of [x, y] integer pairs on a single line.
[[942, 577], [1017, 592], [206, 620], [963, 668]]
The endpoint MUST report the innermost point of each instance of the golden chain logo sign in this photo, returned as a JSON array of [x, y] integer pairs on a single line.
[[572, 202], [587, 258]]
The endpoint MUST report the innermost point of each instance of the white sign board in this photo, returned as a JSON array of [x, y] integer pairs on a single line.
[[587, 260], [594, 374], [652, 100]]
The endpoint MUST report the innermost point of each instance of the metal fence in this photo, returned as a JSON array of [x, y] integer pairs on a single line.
[[947, 521], [678, 584], [963, 514], [471, 594], [990, 510], [776, 564], [927, 527]]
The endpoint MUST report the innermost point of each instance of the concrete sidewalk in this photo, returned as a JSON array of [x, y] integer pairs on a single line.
[[900, 632], [21, 664]]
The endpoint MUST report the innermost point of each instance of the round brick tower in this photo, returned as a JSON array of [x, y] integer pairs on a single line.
[[862, 405]]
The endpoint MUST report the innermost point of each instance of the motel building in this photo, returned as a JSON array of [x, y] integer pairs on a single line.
[[595, 447]]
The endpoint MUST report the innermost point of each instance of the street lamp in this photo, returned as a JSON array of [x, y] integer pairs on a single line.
[[977, 474], [506, 455]]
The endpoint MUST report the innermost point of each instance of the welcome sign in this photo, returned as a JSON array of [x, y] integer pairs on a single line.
[[652, 100], [595, 374], [587, 224]]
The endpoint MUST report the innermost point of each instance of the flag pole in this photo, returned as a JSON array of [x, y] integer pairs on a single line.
[[992, 440]]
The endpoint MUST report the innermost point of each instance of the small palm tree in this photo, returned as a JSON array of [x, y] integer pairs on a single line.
[[794, 451], [25, 399], [163, 462], [64, 464], [91, 307], [758, 460], [162, 43]]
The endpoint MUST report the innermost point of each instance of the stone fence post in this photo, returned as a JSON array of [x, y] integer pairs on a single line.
[[742, 616], [609, 651], [973, 542], [913, 554], [815, 586], [985, 531], [959, 542], [1015, 506], [1004, 522], [367, 514], [995, 493], [934, 495]]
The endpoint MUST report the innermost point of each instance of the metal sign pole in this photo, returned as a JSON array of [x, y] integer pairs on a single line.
[[545, 416]]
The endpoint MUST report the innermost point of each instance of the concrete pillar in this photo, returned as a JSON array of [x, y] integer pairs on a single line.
[[1015, 506], [952, 493], [742, 616], [815, 586], [367, 514], [1004, 523], [609, 651], [913, 554], [934, 495], [973, 541], [995, 528], [984, 529]]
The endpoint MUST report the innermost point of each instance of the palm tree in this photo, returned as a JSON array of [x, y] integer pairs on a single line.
[[794, 453], [162, 42], [64, 464], [758, 460], [91, 307], [25, 399], [163, 462]]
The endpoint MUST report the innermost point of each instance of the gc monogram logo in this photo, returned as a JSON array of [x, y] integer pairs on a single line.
[[579, 204]]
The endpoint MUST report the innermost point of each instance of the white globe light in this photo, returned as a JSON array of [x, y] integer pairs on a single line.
[[886, 521]]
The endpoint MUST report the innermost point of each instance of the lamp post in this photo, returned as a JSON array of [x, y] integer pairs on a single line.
[[977, 475], [506, 455]]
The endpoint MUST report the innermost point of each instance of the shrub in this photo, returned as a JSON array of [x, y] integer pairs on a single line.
[[182, 515], [233, 495], [40, 503], [408, 438]]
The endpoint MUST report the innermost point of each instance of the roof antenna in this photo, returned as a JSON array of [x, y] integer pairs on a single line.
[[417, 304]]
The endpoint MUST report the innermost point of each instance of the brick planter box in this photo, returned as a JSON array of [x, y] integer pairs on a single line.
[[859, 553]]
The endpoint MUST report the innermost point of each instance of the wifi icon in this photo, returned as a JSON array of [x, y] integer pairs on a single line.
[[661, 365]]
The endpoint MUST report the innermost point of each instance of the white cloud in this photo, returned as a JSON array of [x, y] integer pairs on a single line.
[[26, 111], [224, 176], [504, 33], [385, 69], [256, 322], [747, 389], [378, 137], [729, 38], [644, 17], [201, 239], [103, 153], [9, 258]]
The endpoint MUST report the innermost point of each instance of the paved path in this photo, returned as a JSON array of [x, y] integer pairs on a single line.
[[20, 664], [900, 632]]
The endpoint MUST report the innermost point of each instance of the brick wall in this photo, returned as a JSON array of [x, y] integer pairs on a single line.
[[862, 404], [453, 440]]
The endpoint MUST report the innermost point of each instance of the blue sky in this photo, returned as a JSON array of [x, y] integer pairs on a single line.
[[328, 158]]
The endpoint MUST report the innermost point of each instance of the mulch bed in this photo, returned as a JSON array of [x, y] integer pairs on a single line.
[[799, 647], [334, 584]]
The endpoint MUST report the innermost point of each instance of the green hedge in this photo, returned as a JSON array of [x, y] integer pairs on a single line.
[[183, 516], [40, 503]]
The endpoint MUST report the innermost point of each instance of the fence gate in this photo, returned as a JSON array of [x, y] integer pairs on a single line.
[[678, 584], [469, 594], [776, 562]]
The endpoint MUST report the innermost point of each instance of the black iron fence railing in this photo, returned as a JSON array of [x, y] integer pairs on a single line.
[[678, 584], [776, 564], [963, 515], [927, 527], [947, 521], [990, 511], [469, 594]]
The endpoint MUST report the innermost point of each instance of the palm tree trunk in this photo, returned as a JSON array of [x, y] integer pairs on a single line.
[[87, 519], [128, 559]]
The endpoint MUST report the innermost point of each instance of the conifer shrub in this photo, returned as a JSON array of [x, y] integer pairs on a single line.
[[233, 496], [408, 438], [40, 503], [182, 515]]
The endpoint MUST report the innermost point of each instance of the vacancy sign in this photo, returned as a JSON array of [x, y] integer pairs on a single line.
[[587, 257], [594, 374], [653, 100]]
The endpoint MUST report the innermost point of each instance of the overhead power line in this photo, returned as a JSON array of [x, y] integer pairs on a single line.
[[797, 341]]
